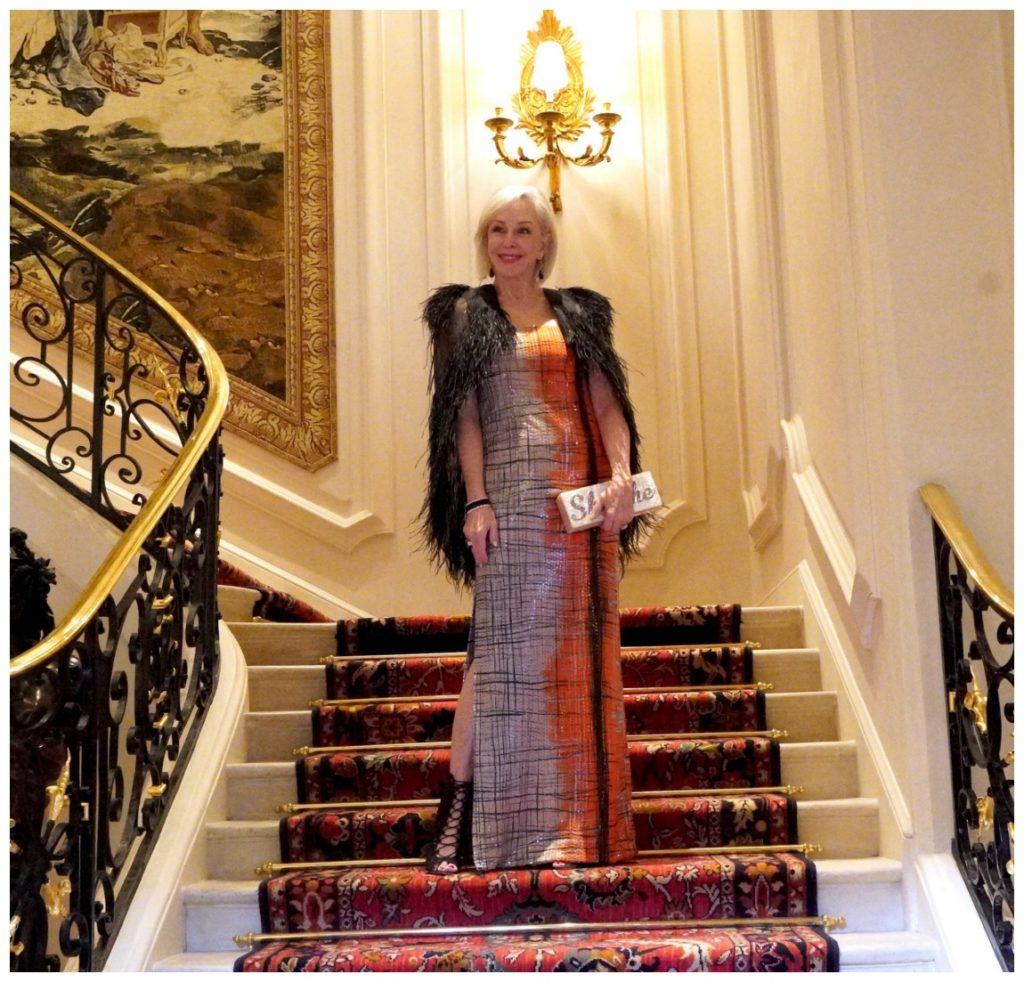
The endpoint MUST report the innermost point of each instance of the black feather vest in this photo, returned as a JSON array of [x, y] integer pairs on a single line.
[[468, 330]]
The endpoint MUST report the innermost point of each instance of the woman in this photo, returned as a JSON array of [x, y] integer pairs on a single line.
[[529, 399]]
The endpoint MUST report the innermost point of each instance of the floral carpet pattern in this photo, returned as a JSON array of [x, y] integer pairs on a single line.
[[747, 949], [353, 676], [703, 735], [661, 823], [655, 712], [752, 886]]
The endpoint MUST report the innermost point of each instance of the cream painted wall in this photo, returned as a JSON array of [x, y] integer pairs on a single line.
[[414, 164], [804, 229], [51, 518], [885, 193]]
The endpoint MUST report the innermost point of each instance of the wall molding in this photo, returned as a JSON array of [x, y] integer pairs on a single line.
[[671, 272], [830, 533], [865, 724], [754, 235], [764, 508]]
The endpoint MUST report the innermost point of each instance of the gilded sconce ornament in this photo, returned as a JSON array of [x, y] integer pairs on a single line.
[[553, 105]]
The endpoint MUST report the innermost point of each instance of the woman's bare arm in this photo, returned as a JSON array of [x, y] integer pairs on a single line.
[[615, 503], [481, 524]]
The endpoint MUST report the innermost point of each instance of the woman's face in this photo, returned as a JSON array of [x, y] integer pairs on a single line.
[[516, 242]]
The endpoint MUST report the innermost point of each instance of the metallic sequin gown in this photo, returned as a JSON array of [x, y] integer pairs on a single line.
[[551, 774]]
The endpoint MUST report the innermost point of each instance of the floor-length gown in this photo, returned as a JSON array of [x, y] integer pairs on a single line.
[[551, 772]]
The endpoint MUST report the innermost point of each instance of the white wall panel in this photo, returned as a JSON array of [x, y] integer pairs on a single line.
[[414, 164]]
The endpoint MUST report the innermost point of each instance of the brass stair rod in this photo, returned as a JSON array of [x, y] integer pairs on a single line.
[[269, 869], [637, 691], [826, 922], [293, 808], [631, 738]]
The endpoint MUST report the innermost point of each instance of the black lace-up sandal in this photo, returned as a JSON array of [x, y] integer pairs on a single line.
[[452, 847]]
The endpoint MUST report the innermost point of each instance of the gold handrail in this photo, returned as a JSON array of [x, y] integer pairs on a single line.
[[131, 541], [947, 516]]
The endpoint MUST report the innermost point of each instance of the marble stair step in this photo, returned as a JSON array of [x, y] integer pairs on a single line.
[[278, 687], [867, 892], [283, 687], [271, 643], [273, 736], [886, 951], [826, 770], [845, 828], [200, 962], [236, 603], [806, 716], [866, 951], [788, 669], [773, 627]]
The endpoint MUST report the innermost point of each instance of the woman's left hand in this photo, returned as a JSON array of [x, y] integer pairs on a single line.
[[615, 504]]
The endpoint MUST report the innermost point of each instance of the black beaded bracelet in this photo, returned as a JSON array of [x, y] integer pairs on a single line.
[[477, 503]]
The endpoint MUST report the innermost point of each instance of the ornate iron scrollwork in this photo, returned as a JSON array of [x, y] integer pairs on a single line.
[[105, 391], [979, 684]]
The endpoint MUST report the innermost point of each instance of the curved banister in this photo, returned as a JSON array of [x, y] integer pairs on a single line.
[[106, 710], [132, 540], [976, 635], [947, 516]]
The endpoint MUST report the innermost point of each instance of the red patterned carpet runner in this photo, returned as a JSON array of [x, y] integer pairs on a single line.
[[701, 735]]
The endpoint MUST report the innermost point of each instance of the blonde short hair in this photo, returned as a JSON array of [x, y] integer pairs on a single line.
[[545, 216]]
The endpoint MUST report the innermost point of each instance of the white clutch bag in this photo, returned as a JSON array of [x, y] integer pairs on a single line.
[[577, 506]]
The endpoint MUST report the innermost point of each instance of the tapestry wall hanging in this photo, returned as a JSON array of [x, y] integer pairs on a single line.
[[194, 148]]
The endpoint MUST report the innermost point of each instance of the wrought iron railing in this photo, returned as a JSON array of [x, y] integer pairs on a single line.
[[116, 398], [977, 658]]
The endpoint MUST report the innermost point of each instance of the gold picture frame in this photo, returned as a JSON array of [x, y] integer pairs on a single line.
[[272, 282], [303, 426]]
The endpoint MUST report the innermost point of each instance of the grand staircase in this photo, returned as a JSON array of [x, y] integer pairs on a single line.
[[737, 853]]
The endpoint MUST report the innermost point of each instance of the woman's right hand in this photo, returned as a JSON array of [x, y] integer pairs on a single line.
[[481, 529]]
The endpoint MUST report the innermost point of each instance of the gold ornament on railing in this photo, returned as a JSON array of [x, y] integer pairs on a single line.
[[17, 947], [553, 105], [55, 897], [977, 702], [56, 794], [986, 813]]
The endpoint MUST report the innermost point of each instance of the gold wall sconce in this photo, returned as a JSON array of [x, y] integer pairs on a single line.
[[553, 105]]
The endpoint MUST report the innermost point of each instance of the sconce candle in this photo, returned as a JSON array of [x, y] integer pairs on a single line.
[[550, 75], [553, 105]]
